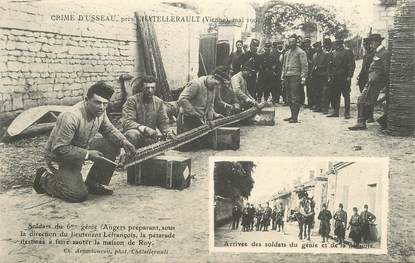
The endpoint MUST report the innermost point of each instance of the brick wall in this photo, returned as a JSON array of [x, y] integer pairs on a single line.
[[41, 68]]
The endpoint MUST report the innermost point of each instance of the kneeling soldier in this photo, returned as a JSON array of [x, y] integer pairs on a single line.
[[72, 141]]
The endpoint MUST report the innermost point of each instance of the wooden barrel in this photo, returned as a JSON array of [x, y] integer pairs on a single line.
[[401, 97]]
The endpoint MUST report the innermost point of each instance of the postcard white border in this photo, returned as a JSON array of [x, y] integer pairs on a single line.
[[383, 161]]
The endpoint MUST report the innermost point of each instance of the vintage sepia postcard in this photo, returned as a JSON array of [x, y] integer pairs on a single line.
[[207, 131]]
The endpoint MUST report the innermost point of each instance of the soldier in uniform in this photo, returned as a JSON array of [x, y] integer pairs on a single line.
[[278, 53], [306, 46], [341, 69], [236, 58], [280, 217], [144, 113], [327, 44], [363, 76], [294, 75], [251, 57], [245, 218], [340, 222], [266, 217], [236, 215], [267, 77], [367, 218], [274, 218], [258, 216], [324, 216], [378, 79], [73, 141], [252, 213], [239, 86], [355, 227], [319, 78], [197, 104]]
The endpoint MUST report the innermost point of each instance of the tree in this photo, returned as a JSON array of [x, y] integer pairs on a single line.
[[233, 179], [282, 17]]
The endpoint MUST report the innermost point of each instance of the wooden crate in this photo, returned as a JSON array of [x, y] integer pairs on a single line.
[[172, 172], [266, 117], [226, 138]]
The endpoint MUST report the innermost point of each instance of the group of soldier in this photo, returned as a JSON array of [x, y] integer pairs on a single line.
[[258, 218], [226, 91], [359, 225], [320, 73]]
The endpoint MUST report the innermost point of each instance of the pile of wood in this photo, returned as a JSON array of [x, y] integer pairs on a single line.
[[401, 97], [150, 61]]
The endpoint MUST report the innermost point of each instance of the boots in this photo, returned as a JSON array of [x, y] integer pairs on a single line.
[[361, 118], [347, 107], [290, 118], [295, 111]]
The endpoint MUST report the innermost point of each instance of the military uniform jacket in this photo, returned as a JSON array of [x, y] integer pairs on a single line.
[[320, 64], [342, 64], [379, 68], [268, 63], [367, 217], [236, 61], [252, 59], [364, 72], [137, 115]]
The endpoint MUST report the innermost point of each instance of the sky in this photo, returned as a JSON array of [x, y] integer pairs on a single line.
[[272, 175]]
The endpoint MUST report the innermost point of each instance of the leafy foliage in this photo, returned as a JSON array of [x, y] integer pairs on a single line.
[[233, 179], [388, 3], [286, 16]]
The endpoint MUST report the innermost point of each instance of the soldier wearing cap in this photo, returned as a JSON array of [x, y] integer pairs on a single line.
[[319, 78], [196, 104], [294, 74], [341, 69], [378, 79], [363, 76], [327, 44], [267, 76], [252, 58], [240, 87], [73, 141]]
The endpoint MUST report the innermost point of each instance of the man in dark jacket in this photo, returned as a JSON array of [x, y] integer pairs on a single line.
[[378, 79], [236, 215], [366, 218], [251, 57], [267, 77], [319, 73], [364, 72], [341, 69], [306, 46]]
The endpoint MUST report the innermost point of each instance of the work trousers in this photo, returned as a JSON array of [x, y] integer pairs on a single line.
[[340, 87], [66, 182], [319, 83]]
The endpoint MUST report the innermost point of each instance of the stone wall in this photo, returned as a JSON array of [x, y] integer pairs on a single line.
[[45, 60]]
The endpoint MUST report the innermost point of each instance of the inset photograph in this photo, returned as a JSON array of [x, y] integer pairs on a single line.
[[298, 204]]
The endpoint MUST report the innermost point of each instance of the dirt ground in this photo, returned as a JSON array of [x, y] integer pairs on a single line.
[[187, 210]]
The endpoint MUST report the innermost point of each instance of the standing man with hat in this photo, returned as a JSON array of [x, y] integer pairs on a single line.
[[196, 104], [267, 76], [251, 57], [319, 78], [378, 79], [73, 141], [294, 74], [341, 71]]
